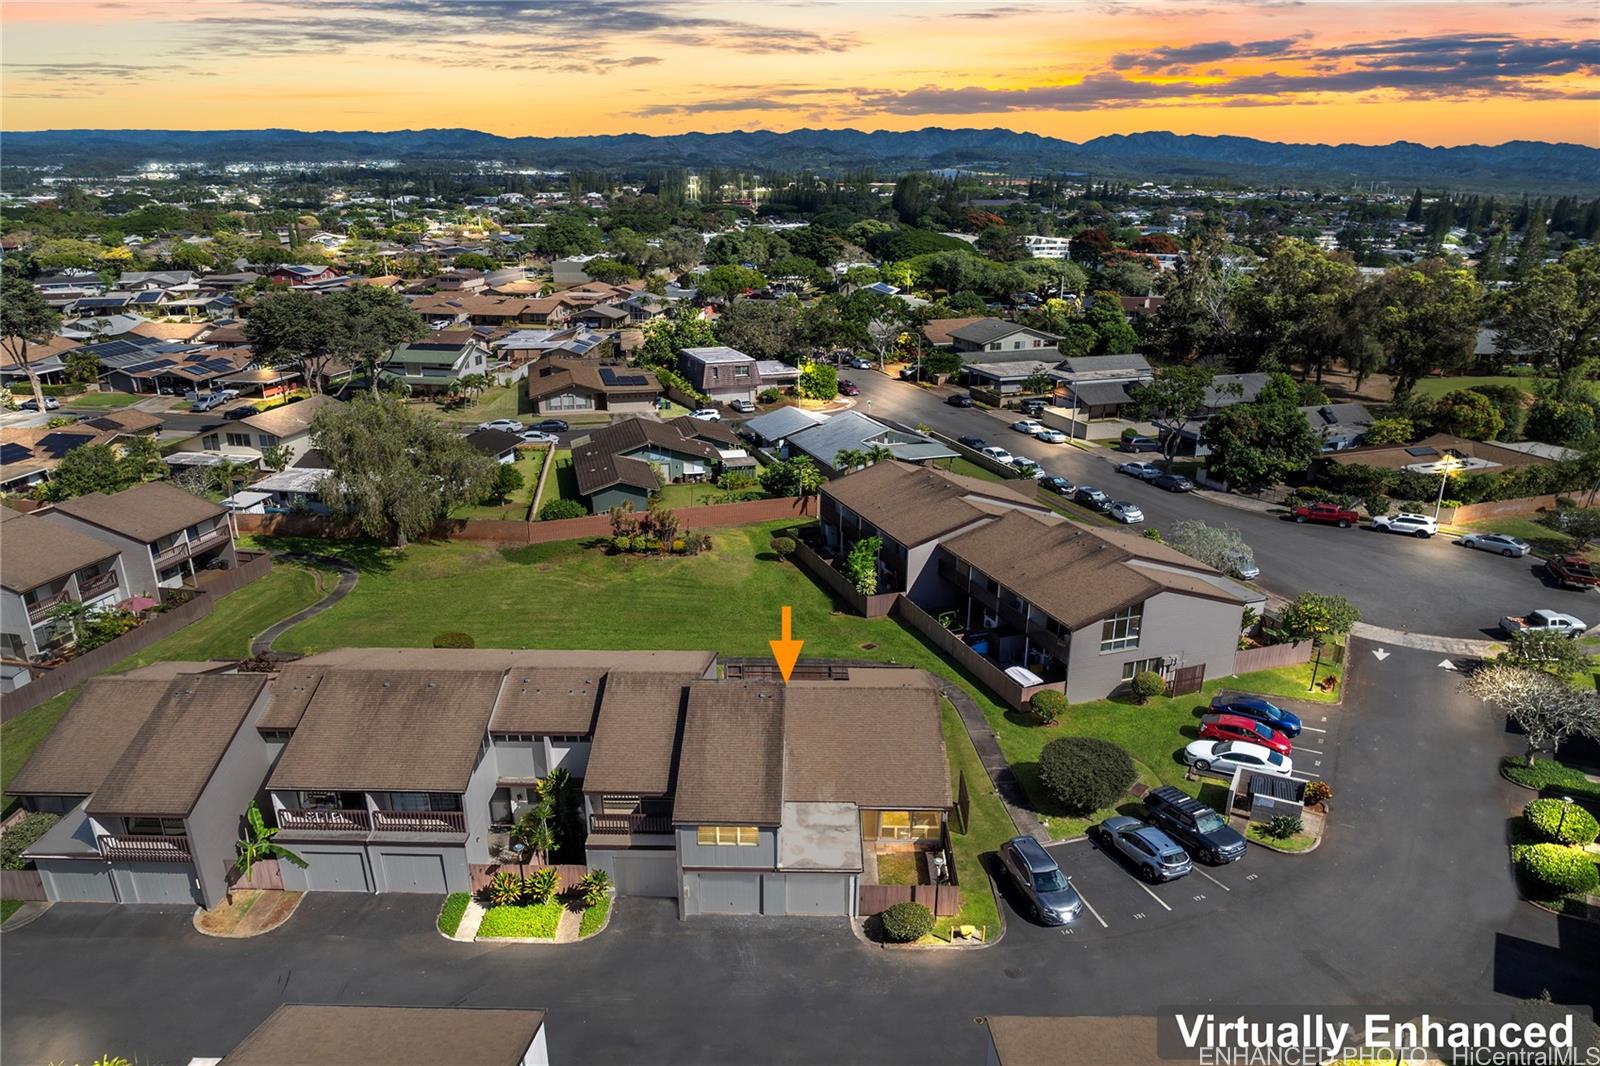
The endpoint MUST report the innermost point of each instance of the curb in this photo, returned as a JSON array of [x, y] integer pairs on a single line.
[[195, 921], [26, 915]]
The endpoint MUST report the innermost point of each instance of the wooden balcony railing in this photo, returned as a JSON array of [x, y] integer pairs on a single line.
[[630, 823], [134, 848], [419, 822], [325, 819], [98, 584], [209, 539], [171, 551], [39, 609]]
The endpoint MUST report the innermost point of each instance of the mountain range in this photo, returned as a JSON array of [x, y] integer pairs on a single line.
[[1527, 165]]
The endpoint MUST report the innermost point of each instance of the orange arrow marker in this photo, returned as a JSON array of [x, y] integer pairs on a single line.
[[786, 651]]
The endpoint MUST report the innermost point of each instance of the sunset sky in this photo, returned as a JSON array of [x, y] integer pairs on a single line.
[[1344, 70]]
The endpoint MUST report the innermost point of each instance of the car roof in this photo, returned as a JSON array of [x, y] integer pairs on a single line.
[[1237, 720], [1243, 747], [1033, 853], [1157, 838]]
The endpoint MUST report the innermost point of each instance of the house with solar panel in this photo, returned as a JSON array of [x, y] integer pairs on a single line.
[[560, 386], [431, 364], [245, 439]]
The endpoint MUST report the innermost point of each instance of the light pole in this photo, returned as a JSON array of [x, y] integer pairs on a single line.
[[1446, 468], [519, 848], [1566, 805]]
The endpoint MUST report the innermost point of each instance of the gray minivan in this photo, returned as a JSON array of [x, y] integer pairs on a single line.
[[1049, 892]]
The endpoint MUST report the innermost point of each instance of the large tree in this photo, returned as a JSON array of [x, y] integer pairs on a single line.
[[1554, 314], [1546, 708], [1222, 547], [366, 323], [1176, 397], [1427, 317], [394, 472], [25, 319], [290, 329], [1198, 319], [1289, 311], [763, 329], [1253, 445]]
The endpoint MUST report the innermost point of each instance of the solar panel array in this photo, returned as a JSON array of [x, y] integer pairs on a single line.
[[14, 453], [55, 445], [611, 377]]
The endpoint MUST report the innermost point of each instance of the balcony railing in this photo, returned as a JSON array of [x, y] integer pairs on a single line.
[[39, 609], [325, 819], [419, 822], [135, 848], [172, 551], [630, 823], [99, 584], [209, 539]]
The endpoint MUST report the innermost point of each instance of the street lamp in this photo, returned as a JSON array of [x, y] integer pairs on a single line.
[[1566, 805], [519, 848], [1447, 466]]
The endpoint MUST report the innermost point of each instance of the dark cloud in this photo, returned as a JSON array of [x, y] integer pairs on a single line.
[[72, 71], [1200, 52]]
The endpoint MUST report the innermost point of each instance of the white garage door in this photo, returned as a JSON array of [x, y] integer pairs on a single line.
[[69, 881], [817, 893], [410, 872], [723, 893], [155, 882], [336, 871], [653, 873]]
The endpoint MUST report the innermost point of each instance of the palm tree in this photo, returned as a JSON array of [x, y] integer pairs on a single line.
[[848, 459], [879, 453], [257, 844]]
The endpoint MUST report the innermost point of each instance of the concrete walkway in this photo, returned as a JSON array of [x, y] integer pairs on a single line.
[[471, 919], [994, 762], [1464, 646], [348, 575]]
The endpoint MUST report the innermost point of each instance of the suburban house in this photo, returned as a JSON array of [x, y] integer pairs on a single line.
[[28, 455], [997, 335], [462, 308], [721, 372], [557, 386], [165, 535], [42, 566], [174, 368], [773, 429], [370, 1035], [151, 778], [433, 363], [1437, 454], [854, 431], [1097, 386], [1339, 426], [295, 275], [497, 444], [245, 440], [628, 461], [526, 345], [1007, 375]]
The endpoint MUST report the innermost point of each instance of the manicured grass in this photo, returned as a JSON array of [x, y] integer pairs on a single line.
[[507, 402], [594, 917], [529, 463], [537, 920], [8, 907], [1548, 776], [226, 632], [451, 912], [1435, 387], [962, 465], [1298, 842], [23, 733], [1544, 540], [896, 868], [99, 401], [989, 827], [1290, 681], [563, 482]]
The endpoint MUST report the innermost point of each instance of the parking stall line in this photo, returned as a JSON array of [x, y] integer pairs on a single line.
[[1306, 751], [1312, 729], [1092, 911], [1149, 893], [1213, 880]]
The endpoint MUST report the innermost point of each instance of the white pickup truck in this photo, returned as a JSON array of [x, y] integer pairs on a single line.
[[1543, 622]]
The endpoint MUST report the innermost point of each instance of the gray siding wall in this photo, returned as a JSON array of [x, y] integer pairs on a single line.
[[475, 803], [922, 576], [763, 856], [214, 823], [572, 757], [1193, 629], [137, 567], [606, 499], [518, 759], [14, 619]]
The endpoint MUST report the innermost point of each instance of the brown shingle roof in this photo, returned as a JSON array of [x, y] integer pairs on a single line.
[[289, 419], [558, 375], [636, 734], [34, 551], [380, 730], [292, 691], [595, 469], [938, 330], [298, 1034], [90, 737], [145, 512], [1396, 456], [916, 504], [129, 421], [548, 700], [713, 433], [875, 743], [170, 759], [731, 767], [635, 433]]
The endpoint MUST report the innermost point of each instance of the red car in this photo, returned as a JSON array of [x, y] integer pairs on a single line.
[[1238, 727], [1327, 513], [849, 388]]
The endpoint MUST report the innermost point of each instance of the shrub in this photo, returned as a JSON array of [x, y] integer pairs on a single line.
[[1556, 868], [542, 885], [538, 921], [1283, 826], [454, 640], [1084, 774], [559, 509], [505, 889], [1564, 823], [783, 547], [679, 544], [1318, 792], [1047, 707], [769, 395], [595, 888], [455, 905], [622, 543], [594, 916], [21, 836], [906, 922], [1147, 684]]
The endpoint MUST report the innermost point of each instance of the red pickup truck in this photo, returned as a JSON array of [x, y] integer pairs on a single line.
[[1326, 513], [1572, 571]]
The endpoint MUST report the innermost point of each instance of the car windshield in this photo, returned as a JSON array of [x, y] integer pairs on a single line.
[[1209, 821], [1049, 881], [1275, 759], [1263, 731]]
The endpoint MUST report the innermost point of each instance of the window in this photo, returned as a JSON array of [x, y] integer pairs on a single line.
[[908, 825], [238, 440], [210, 442], [1139, 666], [744, 836], [1121, 630], [267, 440], [741, 371], [423, 801], [155, 827]]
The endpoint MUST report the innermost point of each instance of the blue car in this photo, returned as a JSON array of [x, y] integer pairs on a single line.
[[1258, 709]]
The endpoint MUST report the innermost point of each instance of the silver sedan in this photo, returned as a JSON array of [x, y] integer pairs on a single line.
[[1503, 543]]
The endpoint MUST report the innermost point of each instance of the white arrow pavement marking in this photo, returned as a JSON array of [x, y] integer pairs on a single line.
[[1446, 664], [1380, 654]]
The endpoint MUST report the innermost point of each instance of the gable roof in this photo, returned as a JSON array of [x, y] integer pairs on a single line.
[[34, 551], [1100, 364], [915, 504], [1432, 449], [632, 434], [291, 419], [988, 330], [783, 422], [173, 755], [493, 442], [852, 429], [75, 757], [144, 512], [939, 330], [636, 734], [875, 741], [596, 470], [303, 1034], [559, 375], [731, 766], [560, 700], [713, 433]]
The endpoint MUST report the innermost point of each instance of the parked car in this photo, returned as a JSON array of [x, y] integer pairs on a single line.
[[1125, 512], [50, 404], [1327, 514], [1035, 408], [960, 399], [1194, 825], [973, 442], [1023, 465], [1238, 727], [1543, 621], [505, 425], [1092, 498], [746, 407], [1049, 892], [537, 436], [706, 414], [1173, 483], [1226, 756], [1156, 856], [1242, 568], [1142, 471], [849, 388], [1572, 571], [1140, 444], [1027, 425], [997, 453], [1050, 436], [244, 410], [1416, 525], [551, 425], [858, 363], [1058, 485], [1285, 722], [1503, 543]]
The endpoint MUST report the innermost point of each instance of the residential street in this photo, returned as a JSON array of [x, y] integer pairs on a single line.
[[1428, 586], [1409, 901]]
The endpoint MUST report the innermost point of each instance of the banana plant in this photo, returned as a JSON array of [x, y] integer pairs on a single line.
[[257, 844]]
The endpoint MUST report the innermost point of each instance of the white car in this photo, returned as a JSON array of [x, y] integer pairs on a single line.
[[1029, 426], [1413, 525], [1126, 512], [997, 453], [706, 414], [1504, 543], [1142, 471], [507, 425], [537, 436], [1050, 436], [1226, 756]]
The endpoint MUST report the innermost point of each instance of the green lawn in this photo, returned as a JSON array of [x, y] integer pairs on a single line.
[[8, 907], [499, 402], [451, 912], [1550, 777], [1436, 387], [535, 920], [962, 465], [990, 827], [1297, 842], [515, 509], [1545, 541], [563, 482], [897, 868], [594, 917], [99, 401]]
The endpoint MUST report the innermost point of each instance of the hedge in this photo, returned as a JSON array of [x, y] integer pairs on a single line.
[[538, 920], [906, 922], [22, 388], [1564, 823], [1047, 706], [1084, 774], [1557, 869], [21, 836], [450, 915], [556, 510]]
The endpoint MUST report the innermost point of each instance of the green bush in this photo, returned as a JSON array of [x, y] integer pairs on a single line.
[[1556, 869], [1547, 774], [25, 390], [504, 890], [783, 547], [594, 916], [1283, 826], [595, 888], [769, 395], [906, 922], [1147, 684], [455, 905], [21, 836], [542, 885], [538, 920], [1084, 774], [1047, 706], [454, 640], [556, 510], [1564, 823]]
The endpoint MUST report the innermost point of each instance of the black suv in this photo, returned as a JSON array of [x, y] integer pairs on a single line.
[[1194, 825]]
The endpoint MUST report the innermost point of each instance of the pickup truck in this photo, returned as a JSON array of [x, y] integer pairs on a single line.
[[1543, 622], [1572, 571], [1326, 513]]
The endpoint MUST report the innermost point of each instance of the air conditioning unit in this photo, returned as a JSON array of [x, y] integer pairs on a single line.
[[990, 621]]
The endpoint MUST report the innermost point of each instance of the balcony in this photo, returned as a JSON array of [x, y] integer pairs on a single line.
[[134, 848], [39, 609], [419, 822], [211, 538], [630, 823], [96, 585], [325, 819], [172, 551]]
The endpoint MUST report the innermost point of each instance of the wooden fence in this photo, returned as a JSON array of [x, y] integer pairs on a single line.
[[1249, 660], [483, 873], [942, 900], [265, 874], [21, 884], [994, 679], [875, 606], [1526, 505]]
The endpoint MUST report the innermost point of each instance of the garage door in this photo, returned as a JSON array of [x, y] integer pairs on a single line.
[[68, 881], [410, 872], [155, 882], [817, 893], [646, 874], [723, 893], [335, 871]]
